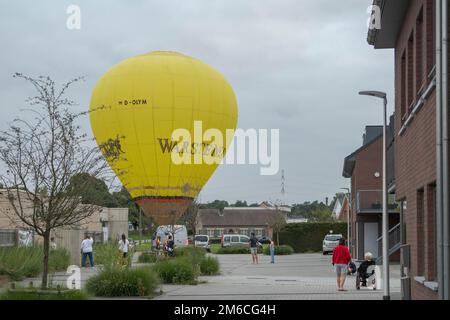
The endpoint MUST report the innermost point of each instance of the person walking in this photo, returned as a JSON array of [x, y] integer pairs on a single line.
[[86, 250], [170, 246], [52, 243], [124, 245], [254, 248], [272, 251], [341, 259]]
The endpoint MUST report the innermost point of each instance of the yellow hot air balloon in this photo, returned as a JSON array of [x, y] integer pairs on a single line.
[[136, 106]]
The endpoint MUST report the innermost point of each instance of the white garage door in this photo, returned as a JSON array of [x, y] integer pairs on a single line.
[[370, 238]]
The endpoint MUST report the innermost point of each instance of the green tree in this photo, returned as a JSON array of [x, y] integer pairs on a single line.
[[324, 215], [96, 191], [313, 211], [216, 204], [240, 204], [124, 200]]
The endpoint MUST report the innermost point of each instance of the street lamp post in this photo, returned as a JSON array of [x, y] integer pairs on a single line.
[[385, 219]]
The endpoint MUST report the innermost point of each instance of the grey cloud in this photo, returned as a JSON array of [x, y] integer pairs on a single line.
[[294, 65]]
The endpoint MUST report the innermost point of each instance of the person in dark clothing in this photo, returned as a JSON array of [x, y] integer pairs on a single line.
[[253, 242], [170, 246], [362, 269]]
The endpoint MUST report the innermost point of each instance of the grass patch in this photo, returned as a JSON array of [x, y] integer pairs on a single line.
[[177, 270], [21, 262], [147, 258], [215, 248], [44, 295], [58, 260], [143, 247], [135, 235], [123, 282], [108, 255], [280, 250], [192, 253], [209, 266]]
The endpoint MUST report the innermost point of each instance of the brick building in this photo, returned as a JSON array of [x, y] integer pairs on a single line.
[[104, 224], [216, 222], [409, 27], [364, 168]]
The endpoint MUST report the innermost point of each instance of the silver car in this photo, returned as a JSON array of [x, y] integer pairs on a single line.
[[330, 242], [202, 241]]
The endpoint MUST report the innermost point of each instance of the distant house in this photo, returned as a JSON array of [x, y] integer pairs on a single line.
[[216, 222], [341, 207], [296, 220], [281, 207]]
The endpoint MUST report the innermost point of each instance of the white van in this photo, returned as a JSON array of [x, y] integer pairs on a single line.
[[233, 240], [181, 236]]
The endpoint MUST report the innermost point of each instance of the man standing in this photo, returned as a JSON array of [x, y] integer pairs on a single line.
[[254, 248], [86, 250]]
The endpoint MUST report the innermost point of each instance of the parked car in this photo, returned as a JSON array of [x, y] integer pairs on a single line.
[[264, 240], [232, 240], [330, 242], [202, 241]]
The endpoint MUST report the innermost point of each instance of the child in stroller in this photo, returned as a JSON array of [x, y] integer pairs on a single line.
[[362, 274]]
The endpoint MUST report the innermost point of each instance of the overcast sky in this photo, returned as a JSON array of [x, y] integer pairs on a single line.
[[295, 65]]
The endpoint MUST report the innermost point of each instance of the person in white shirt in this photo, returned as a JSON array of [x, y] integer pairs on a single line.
[[86, 250], [124, 245], [52, 243]]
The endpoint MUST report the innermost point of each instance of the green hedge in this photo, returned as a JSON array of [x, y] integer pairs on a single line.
[[237, 250], [280, 251], [234, 250], [308, 237]]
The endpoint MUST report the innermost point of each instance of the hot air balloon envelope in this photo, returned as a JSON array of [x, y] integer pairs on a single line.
[[136, 106]]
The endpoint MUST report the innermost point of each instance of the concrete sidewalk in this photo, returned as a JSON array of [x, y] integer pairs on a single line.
[[296, 277]]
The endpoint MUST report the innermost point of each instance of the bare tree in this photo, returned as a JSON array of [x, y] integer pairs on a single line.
[[191, 215], [278, 222], [42, 156]]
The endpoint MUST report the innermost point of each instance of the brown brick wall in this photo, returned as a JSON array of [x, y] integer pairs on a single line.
[[415, 154]]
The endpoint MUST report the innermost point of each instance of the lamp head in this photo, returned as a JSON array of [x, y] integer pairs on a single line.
[[377, 94]]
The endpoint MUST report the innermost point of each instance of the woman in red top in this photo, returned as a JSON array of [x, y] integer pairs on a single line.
[[341, 259]]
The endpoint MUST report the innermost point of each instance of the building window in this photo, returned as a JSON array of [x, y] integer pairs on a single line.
[[403, 87], [258, 232], [430, 39], [420, 241], [419, 54], [431, 241], [410, 72]]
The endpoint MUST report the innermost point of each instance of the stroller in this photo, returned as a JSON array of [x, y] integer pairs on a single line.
[[351, 268], [365, 273]]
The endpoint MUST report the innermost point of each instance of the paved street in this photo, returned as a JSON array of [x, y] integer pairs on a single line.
[[296, 277]]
